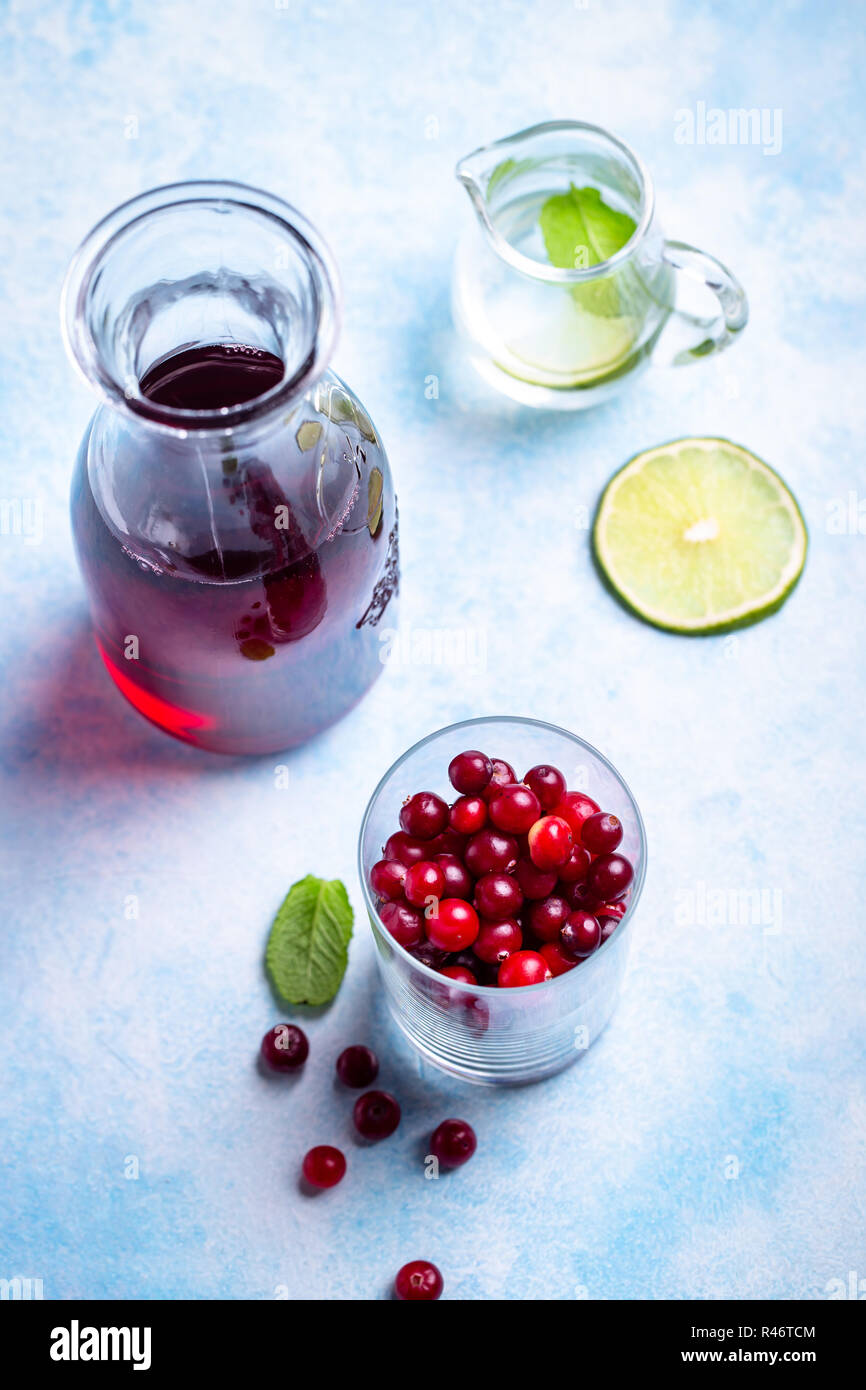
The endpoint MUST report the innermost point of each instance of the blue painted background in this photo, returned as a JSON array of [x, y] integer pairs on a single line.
[[736, 1048]]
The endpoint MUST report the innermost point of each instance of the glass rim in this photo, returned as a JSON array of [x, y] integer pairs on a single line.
[[373, 912], [91, 253], [537, 270]]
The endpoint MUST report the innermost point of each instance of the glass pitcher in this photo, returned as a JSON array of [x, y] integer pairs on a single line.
[[232, 505], [560, 318]]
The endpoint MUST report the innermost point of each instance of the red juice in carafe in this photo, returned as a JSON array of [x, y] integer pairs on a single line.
[[239, 593]]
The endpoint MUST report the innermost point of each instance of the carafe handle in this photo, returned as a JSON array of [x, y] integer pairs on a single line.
[[709, 335]]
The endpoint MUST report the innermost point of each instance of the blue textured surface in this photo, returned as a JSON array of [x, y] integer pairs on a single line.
[[736, 1048]]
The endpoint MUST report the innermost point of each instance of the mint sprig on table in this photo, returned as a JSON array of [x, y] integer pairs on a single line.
[[581, 231], [308, 946]]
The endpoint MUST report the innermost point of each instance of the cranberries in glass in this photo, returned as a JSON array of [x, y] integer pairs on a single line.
[[470, 772], [424, 815]]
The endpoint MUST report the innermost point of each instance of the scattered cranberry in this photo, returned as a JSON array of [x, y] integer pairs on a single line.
[[547, 918], [376, 1114], [601, 833], [458, 880], [423, 882], [534, 882], [515, 809], [498, 896], [468, 815], [503, 776], [459, 972], [470, 772], [559, 962], [419, 1281], [387, 879], [424, 815], [405, 923], [454, 926], [357, 1066], [453, 1143], [523, 968], [548, 784], [405, 849], [581, 934], [576, 866], [609, 876], [497, 940], [285, 1047], [324, 1166], [576, 807], [490, 852], [550, 842]]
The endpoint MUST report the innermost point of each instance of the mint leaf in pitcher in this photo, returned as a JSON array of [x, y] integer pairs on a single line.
[[580, 230], [308, 947]]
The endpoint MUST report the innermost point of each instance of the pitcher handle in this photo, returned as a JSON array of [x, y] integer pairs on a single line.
[[717, 333]]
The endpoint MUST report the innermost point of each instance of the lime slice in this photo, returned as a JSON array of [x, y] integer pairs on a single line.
[[699, 536]]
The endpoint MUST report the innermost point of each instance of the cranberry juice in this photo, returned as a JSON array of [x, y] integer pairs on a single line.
[[237, 591]]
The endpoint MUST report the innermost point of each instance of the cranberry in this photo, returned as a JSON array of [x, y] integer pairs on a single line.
[[459, 972], [458, 880], [534, 883], [449, 842], [467, 959], [453, 1143], [550, 842], [576, 895], [357, 1066], [490, 852], [498, 896], [607, 910], [387, 879], [576, 866], [454, 926], [547, 918], [405, 849], [601, 833], [470, 772], [376, 1114], [419, 1281], [608, 927], [503, 776], [523, 968], [285, 1047], [403, 922], [609, 876], [497, 940], [324, 1166], [515, 809], [559, 962], [429, 955], [423, 882], [576, 807], [548, 784], [581, 934], [424, 815], [468, 815]]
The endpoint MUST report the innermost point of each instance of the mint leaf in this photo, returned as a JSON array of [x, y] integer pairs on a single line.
[[580, 230], [308, 948]]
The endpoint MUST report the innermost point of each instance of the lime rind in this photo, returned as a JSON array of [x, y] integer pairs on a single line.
[[755, 561]]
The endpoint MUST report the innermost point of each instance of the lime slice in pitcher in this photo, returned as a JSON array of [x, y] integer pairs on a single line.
[[699, 536]]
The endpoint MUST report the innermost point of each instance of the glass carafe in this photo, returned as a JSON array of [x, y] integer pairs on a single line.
[[569, 331], [238, 557]]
